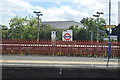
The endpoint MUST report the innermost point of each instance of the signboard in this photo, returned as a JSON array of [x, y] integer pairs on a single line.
[[111, 38], [53, 35], [110, 26], [67, 35]]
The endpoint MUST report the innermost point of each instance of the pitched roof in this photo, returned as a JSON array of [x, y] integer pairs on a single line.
[[62, 24]]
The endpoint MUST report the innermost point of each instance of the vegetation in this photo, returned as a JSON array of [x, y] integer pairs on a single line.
[[91, 24], [26, 28]]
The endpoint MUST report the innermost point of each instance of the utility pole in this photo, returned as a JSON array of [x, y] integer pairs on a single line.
[[109, 43], [38, 14]]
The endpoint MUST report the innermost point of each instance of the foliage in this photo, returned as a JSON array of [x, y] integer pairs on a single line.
[[91, 24], [4, 30], [26, 28]]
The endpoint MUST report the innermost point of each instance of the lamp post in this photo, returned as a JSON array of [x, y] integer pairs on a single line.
[[97, 26], [98, 15], [109, 43], [38, 14]]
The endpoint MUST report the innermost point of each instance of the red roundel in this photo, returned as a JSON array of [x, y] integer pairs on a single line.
[[67, 36]]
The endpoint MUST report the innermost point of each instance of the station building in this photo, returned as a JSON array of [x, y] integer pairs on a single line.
[[63, 24], [119, 12]]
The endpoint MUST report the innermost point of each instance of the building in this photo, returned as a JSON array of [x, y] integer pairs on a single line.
[[62, 24], [116, 31], [119, 21], [119, 12]]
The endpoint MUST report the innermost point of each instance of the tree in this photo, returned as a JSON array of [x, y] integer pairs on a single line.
[[79, 33], [23, 28], [4, 30], [91, 24], [17, 27], [75, 31], [45, 31], [26, 28], [31, 28], [82, 34]]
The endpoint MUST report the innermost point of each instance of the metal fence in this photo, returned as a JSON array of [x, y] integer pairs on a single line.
[[58, 47]]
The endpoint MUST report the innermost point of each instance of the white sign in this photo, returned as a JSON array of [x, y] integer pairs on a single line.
[[53, 35], [67, 35], [112, 38]]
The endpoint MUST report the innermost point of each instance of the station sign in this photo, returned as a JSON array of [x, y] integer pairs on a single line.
[[53, 35], [110, 26], [67, 35]]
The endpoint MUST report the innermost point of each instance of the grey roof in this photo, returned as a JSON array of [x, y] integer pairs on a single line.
[[62, 24]]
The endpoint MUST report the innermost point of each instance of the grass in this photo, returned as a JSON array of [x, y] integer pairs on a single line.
[[60, 53]]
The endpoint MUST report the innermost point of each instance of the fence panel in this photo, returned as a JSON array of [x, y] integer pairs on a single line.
[[58, 47]]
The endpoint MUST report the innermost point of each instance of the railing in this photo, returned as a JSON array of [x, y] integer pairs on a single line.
[[58, 47]]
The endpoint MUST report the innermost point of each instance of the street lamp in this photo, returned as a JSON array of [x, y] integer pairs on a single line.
[[97, 21], [38, 14], [96, 16], [100, 13], [97, 26]]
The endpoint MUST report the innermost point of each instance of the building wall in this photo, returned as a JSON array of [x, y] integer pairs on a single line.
[[118, 12]]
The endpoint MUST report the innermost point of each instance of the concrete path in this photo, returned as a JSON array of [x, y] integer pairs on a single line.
[[63, 62]]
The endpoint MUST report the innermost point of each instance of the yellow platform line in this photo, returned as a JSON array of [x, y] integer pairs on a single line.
[[55, 62]]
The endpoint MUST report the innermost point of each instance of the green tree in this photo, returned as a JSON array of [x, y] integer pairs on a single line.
[[23, 28], [82, 34], [78, 33], [31, 28], [17, 27], [91, 25], [4, 30], [26, 28], [59, 34], [45, 31], [75, 30]]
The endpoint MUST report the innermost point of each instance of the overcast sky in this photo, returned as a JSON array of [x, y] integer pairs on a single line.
[[57, 10]]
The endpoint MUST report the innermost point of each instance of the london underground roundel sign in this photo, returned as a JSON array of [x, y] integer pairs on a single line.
[[67, 36]]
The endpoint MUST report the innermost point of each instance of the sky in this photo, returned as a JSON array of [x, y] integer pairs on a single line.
[[58, 10]]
